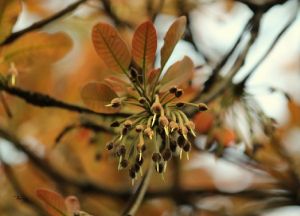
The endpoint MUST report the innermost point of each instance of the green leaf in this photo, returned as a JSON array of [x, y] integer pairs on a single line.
[[111, 48], [9, 12], [54, 202], [173, 35], [96, 95], [179, 73], [144, 44]]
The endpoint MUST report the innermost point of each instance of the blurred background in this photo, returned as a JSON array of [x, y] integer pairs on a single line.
[[232, 183]]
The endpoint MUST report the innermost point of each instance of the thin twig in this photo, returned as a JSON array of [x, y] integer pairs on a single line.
[[42, 23]]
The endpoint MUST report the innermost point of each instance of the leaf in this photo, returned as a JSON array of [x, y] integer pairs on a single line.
[[36, 49], [110, 47], [173, 35], [180, 72], [9, 12], [144, 44], [55, 203], [96, 95]]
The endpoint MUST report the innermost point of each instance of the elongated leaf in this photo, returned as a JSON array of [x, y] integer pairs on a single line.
[[173, 35], [110, 47], [53, 201], [9, 12], [96, 95], [144, 44], [179, 73], [35, 49]]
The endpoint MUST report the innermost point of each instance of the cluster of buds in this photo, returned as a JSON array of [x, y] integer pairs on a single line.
[[163, 131]]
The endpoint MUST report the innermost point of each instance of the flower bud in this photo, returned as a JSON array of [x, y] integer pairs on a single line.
[[173, 90], [128, 123], [178, 93], [149, 132], [163, 121], [167, 154], [139, 128], [115, 124], [156, 108], [181, 141], [187, 147], [173, 126], [179, 104], [116, 102], [139, 160], [156, 157], [124, 163], [121, 150], [202, 107], [142, 100], [109, 146]]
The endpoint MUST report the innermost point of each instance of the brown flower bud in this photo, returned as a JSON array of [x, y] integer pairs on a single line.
[[181, 141], [116, 102], [187, 147], [149, 132], [173, 145], [139, 128], [160, 168], [167, 154], [128, 123], [156, 108], [115, 124], [179, 104], [202, 107], [190, 125], [178, 93], [156, 157], [124, 163], [139, 160], [121, 150], [109, 146], [173, 126], [132, 173], [173, 90], [163, 121], [142, 100]]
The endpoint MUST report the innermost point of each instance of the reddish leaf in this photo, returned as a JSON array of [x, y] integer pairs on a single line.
[[144, 44], [110, 47], [55, 203], [96, 95], [152, 75], [179, 73], [173, 35]]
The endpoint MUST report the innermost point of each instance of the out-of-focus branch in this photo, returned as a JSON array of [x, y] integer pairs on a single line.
[[189, 36], [110, 13], [277, 38], [21, 195], [138, 196], [43, 22], [43, 100]]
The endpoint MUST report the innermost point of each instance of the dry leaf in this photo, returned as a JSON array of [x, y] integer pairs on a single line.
[[9, 12]]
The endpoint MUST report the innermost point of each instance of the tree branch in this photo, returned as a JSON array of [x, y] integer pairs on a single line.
[[43, 100], [14, 36]]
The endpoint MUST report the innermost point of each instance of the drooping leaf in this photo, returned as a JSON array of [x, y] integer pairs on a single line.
[[96, 95], [179, 73], [144, 44], [110, 47], [54, 202], [35, 49], [9, 12], [173, 35]]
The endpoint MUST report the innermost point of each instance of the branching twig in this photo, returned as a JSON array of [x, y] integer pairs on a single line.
[[42, 23]]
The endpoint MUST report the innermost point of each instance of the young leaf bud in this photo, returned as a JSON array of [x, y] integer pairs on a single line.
[[173, 126], [139, 160], [167, 154], [163, 121], [139, 128], [121, 150], [142, 100], [124, 163], [149, 132], [187, 147], [181, 141]]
